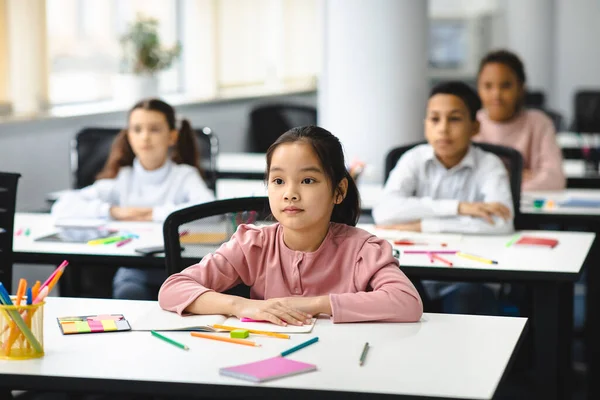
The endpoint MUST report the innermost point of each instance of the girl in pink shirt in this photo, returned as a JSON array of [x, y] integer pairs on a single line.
[[314, 260], [504, 121]]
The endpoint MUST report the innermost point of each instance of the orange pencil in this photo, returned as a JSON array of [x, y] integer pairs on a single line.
[[254, 331], [225, 339], [14, 331]]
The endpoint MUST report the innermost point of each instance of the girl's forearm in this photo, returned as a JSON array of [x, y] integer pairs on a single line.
[[215, 303]]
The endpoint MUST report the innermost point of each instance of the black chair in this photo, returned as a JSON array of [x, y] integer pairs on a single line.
[[512, 160], [91, 147], [535, 99], [587, 111], [201, 229], [8, 200], [269, 121]]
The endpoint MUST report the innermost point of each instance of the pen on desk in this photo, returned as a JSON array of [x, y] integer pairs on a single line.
[[363, 355], [168, 340], [411, 243], [513, 240], [124, 242], [476, 258], [225, 339], [430, 251], [300, 346], [443, 260]]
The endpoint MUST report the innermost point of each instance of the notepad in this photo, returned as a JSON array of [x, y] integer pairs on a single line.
[[269, 369], [156, 319], [537, 241], [93, 324]]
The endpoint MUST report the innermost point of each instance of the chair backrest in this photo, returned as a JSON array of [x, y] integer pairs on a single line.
[[511, 158], [201, 229], [269, 121], [535, 99], [8, 201], [91, 147], [587, 111]]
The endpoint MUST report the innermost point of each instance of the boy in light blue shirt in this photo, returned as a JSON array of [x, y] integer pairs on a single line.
[[449, 185]]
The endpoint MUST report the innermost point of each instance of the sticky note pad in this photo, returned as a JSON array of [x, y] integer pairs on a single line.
[[93, 324], [109, 325], [68, 327], [239, 334], [82, 327]]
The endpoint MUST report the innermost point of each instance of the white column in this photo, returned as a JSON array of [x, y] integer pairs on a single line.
[[530, 33], [373, 87], [28, 63]]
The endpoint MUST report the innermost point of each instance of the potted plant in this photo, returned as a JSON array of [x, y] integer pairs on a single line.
[[143, 57]]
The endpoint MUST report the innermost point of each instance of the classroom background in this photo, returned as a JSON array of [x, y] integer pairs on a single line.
[[365, 66]]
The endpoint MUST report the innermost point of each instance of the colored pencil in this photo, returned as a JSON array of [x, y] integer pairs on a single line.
[[124, 242], [254, 331], [513, 240], [15, 316], [363, 355], [300, 346], [169, 340], [225, 339], [440, 259], [476, 258], [430, 251]]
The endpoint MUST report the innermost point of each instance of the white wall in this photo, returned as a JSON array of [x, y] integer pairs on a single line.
[[39, 150], [577, 51]]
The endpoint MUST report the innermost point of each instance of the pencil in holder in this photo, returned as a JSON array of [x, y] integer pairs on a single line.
[[22, 331]]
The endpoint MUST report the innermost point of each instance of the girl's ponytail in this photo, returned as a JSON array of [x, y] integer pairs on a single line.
[[186, 148]]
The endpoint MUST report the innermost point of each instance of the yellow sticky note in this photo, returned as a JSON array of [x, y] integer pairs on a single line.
[[68, 327], [109, 325]]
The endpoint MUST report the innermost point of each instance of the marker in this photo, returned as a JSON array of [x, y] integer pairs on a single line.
[[363, 355], [168, 340]]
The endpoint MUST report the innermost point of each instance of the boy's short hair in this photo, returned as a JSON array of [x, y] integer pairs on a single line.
[[461, 90]]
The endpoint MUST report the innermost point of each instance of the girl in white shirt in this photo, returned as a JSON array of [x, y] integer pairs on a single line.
[[152, 170]]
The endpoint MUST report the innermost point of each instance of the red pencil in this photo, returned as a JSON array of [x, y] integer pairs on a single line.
[[436, 257], [411, 243]]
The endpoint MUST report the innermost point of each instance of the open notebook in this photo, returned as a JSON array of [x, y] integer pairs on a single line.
[[157, 319]]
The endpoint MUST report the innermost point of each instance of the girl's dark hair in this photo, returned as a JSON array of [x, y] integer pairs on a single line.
[[185, 150], [331, 156], [505, 57]]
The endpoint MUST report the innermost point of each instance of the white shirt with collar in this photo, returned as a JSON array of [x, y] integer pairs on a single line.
[[166, 189], [421, 188]]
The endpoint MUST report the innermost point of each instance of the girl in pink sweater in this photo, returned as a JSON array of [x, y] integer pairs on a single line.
[[312, 261], [504, 121]]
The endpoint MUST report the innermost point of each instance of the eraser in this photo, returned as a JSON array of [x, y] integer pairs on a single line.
[[239, 334]]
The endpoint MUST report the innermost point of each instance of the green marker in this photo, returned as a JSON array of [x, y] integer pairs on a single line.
[[166, 339], [513, 240], [27, 232]]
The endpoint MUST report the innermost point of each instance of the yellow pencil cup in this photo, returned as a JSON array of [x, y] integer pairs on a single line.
[[21, 331]]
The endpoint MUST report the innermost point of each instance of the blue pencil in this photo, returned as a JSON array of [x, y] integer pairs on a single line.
[[300, 346]]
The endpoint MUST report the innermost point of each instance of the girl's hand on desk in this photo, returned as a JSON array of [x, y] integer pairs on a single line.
[[311, 306], [273, 310], [131, 213], [484, 210], [409, 226]]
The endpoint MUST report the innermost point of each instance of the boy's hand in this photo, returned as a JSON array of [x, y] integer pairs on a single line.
[[273, 310], [131, 213], [409, 226], [527, 175], [484, 210]]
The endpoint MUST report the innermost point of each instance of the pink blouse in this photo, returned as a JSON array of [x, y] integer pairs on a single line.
[[355, 268], [532, 133]]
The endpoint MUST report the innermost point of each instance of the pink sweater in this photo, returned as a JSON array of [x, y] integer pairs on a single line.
[[355, 268], [532, 133]]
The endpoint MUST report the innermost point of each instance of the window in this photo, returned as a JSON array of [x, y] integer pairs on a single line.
[[83, 45]]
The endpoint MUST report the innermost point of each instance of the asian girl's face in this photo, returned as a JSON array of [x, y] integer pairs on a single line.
[[300, 193], [150, 137]]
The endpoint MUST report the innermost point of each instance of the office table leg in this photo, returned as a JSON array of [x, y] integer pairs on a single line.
[[553, 339]]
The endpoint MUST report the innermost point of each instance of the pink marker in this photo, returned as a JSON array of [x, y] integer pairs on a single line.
[[245, 319]]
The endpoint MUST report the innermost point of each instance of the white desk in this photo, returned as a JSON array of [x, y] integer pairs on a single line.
[[234, 188], [448, 356], [549, 273]]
